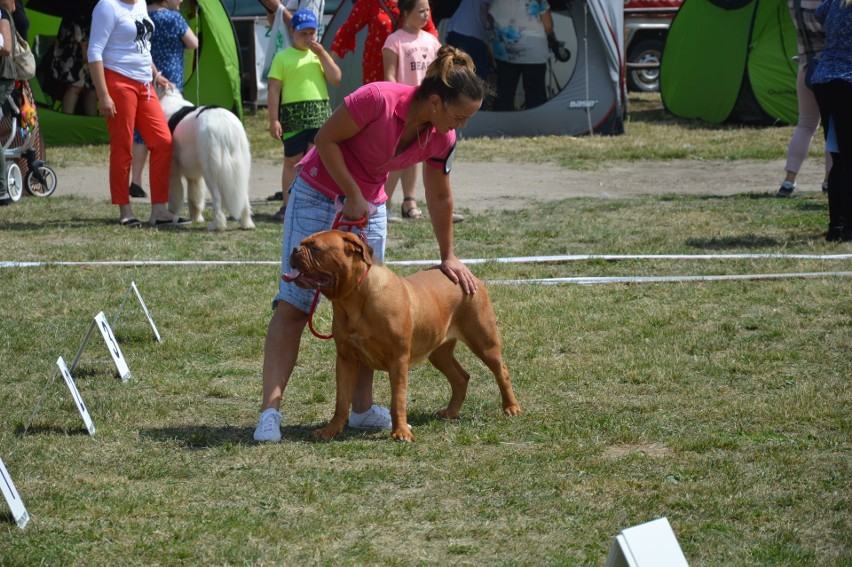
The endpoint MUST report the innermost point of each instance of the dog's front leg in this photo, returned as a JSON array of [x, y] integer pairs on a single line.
[[347, 377], [399, 394]]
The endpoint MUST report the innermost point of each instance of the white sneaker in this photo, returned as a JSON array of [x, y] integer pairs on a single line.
[[268, 428], [457, 217], [376, 417], [393, 219]]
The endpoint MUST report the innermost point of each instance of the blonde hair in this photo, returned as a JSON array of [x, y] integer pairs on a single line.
[[451, 76]]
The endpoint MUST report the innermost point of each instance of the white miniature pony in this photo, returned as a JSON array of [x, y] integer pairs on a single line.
[[209, 146]]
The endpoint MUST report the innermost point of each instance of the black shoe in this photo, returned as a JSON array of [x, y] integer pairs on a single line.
[[137, 191], [838, 234], [279, 196]]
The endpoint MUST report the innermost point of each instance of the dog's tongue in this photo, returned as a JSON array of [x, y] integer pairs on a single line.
[[291, 275]]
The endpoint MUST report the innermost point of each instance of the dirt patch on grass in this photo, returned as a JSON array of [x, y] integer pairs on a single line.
[[481, 186]]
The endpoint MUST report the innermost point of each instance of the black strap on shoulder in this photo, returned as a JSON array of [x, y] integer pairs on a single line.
[[186, 110]]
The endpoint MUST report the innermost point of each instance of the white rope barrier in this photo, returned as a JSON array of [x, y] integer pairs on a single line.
[[470, 261], [580, 280]]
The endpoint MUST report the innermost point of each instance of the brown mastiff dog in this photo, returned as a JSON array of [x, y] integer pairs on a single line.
[[391, 323]]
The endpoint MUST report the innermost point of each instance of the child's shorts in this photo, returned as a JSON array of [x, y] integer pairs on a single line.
[[298, 142]]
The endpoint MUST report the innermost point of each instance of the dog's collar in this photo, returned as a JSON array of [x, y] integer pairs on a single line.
[[364, 276]]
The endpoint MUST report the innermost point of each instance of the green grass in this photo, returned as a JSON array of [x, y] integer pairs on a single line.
[[723, 406]]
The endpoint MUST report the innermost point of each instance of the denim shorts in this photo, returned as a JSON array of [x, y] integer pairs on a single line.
[[309, 211]]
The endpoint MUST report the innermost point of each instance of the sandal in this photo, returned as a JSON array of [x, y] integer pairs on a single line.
[[131, 222], [413, 212], [279, 214]]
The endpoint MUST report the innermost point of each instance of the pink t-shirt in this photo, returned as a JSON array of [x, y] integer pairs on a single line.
[[379, 109], [415, 52]]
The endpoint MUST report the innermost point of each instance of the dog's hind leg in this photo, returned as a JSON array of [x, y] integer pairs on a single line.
[[444, 360], [195, 197], [220, 221], [486, 346]]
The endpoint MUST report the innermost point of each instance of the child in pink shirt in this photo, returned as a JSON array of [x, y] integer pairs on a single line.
[[407, 54]]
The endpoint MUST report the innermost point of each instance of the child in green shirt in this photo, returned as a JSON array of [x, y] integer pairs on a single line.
[[298, 94]]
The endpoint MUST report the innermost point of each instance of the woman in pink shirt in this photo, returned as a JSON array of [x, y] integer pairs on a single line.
[[381, 127]]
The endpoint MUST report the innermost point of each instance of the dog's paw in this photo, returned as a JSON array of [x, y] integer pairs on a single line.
[[327, 433], [512, 410], [447, 414], [402, 434]]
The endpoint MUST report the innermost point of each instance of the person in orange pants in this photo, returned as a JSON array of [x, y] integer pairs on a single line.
[[124, 76]]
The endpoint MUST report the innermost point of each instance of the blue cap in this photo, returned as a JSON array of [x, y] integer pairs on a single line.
[[304, 19]]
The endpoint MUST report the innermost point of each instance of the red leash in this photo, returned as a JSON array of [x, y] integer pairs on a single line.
[[338, 222]]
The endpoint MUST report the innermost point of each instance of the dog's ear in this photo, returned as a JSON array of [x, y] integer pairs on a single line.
[[359, 247]]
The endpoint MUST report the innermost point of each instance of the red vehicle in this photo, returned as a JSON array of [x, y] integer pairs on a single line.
[[646, 25]]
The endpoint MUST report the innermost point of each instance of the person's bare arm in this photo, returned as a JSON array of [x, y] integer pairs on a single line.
[[439, 200], [391, 61], [333, 74], [6, 32], [190, 40], [338, 128], [273, 96], [547, 22], [105, 103]]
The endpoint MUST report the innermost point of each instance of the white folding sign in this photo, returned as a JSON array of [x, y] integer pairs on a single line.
[[19, 511], [75, 393], [112, 345], [652, 544], [144, 308]]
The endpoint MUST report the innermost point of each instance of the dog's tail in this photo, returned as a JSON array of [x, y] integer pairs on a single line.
[[228, 148]]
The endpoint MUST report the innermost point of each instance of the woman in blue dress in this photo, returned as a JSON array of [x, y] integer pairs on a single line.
[[172, 35]]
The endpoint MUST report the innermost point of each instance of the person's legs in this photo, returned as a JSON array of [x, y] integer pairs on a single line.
[[123, 92], [90, 102], [154, 129], [836, 114], [69, 99], [534, 80], [804, 132], [507, 84], [410, 210], [841, 112], [137, 165]]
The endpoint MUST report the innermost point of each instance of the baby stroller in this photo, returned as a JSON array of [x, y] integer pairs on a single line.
[[23, 147]]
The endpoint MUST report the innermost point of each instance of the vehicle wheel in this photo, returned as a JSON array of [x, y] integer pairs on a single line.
[[41, 182], [15, 182], [645, 80]]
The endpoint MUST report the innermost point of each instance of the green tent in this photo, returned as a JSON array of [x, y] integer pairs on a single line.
[[213, 79], [731, 61]]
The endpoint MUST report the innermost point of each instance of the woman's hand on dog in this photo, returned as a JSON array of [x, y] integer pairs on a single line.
[[459, 274]]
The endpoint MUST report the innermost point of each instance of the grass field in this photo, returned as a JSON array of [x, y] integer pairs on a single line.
[[721, 405]]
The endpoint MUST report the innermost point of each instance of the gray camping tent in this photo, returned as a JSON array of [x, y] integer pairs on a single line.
[[587, 93]]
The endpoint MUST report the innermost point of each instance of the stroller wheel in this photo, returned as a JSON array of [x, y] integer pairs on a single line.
[[15, 182], [41, 181]]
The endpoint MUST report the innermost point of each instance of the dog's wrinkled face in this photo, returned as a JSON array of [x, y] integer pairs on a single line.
[[329, 261]]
